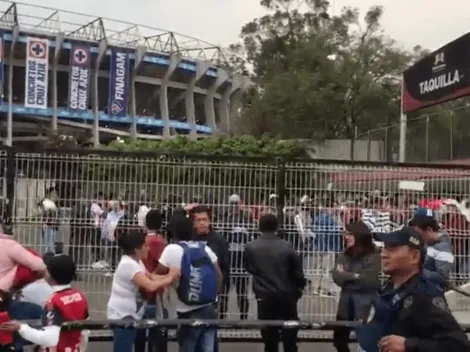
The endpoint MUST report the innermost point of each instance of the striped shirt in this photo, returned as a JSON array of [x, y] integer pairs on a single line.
[[378, 221]]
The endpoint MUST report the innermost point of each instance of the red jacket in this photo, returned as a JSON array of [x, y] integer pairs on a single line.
[[156, 244], [25, 275]]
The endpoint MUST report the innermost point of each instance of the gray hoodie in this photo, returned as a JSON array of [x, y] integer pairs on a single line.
[[439, 261]]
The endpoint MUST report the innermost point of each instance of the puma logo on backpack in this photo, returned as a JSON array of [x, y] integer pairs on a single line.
[[198, 281]]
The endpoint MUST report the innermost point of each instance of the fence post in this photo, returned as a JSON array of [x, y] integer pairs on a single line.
[[10, 191], [281, 190]]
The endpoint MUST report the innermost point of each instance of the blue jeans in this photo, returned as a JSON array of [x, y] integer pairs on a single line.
[[23, 311], [201, 339], [156, 337], [123, 339], [48, 235]]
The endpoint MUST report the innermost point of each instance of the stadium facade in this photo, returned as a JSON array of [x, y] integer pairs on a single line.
[[70, 73]]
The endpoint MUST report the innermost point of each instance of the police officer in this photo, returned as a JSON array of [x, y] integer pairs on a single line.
[[411, 314]]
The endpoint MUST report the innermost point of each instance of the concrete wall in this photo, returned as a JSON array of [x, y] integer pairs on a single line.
[[340, 149]]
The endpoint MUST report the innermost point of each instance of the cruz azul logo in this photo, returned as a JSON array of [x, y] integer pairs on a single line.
[[80, 56]]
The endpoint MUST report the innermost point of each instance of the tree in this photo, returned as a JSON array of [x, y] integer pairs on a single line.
[[320, 76]]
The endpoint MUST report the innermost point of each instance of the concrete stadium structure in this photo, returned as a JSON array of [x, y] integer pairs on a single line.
[[178, 84]]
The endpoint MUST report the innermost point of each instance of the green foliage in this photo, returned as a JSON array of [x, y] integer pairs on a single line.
[[320, 76], [170, 168], [243, 145]]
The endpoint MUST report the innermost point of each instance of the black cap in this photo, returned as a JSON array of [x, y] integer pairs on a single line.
[[407, 236], [61, 268], [358, 228]]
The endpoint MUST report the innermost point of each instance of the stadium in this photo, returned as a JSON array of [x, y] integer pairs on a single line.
[[96, 78]]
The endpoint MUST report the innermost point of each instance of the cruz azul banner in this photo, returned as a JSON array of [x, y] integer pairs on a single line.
[[119, 77], [79, 77], [1, 65], [37, 72], [1, 60]]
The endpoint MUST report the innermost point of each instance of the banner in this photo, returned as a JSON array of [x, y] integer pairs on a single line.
[[79, 77], [119, 78], [2, 75], [439, 77], [37, 73]]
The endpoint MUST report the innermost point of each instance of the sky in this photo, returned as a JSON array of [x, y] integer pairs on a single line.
[[429, 23]]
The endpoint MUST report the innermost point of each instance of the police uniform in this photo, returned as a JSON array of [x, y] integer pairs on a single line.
[[416, 311]]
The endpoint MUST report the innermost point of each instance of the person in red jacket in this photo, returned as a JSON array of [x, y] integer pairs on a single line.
[[66, 304], [156, 243]]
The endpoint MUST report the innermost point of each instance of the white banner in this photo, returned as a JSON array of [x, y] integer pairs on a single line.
[[37, 72]]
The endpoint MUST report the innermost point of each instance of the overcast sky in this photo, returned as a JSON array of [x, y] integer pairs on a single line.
[[430, 23]]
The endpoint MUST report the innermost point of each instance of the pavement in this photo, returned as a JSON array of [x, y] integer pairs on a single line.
[[227, 347]]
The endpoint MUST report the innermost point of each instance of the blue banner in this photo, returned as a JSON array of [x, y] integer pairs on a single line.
[[1, 66], [119, 78], [79, 77]]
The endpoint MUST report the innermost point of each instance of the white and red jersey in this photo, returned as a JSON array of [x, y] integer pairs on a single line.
[[68, 304]]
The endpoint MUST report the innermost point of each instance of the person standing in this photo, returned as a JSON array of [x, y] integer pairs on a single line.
[[156, 244], [239, 230], [439, 260], [195, 291], [97, 214], [357, 271], [411, 312], [129, 281], [278, 282], [204, 232]]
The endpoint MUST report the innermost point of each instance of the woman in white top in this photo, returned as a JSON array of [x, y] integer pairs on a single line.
[[130, 278]]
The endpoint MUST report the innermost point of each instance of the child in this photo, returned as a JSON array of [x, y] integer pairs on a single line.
[[66, 304]]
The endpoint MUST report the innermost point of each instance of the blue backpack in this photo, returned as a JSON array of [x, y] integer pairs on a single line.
[[198, 281]]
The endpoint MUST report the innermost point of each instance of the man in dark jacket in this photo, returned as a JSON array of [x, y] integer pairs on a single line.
[[411, 313], [204, 232], [278, 282], [357, 272], [238, 230]]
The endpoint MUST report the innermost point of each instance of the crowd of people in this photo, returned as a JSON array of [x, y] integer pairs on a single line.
[[313, 224], [189, 272], [178, 257]]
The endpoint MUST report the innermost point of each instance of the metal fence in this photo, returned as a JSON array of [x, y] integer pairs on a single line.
[[433, 135], [337, 192]]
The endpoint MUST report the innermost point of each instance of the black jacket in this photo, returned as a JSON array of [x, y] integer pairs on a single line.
[[417, 311], [219, 246], [276, 268]]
